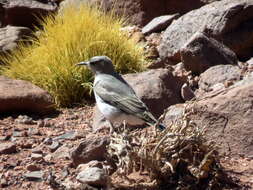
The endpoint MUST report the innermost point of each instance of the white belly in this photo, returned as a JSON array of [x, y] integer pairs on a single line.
[[115, 115]]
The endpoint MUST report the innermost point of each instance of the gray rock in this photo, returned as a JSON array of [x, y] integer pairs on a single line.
[[8, 148], [62, 152], [54, 146], [90, 149], [70, 135], [218, 74], [24, 119], [34, 176], [158, 24], [173, 114], [201, 53], [93, 176], [229, 22], [20, 95], [33, 131]]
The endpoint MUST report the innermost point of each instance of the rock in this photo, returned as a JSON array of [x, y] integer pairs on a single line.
[[34, 176], [187, 93], [20, 95], [174, 113], [90, 149], [62, 152], [33, 131], [32, 167], [24, 119], [54, 146], [70, 135], [10, 36], [140, 12], [36, 157], [229, 22], [93, 176], [218, 74], [153, 87], [91, 164], [201, 53], [8, 148], [228, 117], [158, 24], [26, 12]]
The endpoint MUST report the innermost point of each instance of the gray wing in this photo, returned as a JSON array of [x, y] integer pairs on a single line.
[[122, 96]]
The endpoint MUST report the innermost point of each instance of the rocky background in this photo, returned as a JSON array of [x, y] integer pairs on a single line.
[[200, 52]]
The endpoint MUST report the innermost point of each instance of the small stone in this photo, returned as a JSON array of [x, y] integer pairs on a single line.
[[8, 148], [54, 146], [37, 150], [93, 176], [33, 131], [24, 119], [62, 152], [40, 123], [48, 141], [34, 176], [48, 158], [18, 134], [36, 157], [71, 135], [91, 164], [32, 167]]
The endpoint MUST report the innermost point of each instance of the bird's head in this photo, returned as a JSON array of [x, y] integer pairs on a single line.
[[99, 64]]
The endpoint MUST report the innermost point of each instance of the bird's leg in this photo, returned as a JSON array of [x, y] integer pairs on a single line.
[[111, 127]]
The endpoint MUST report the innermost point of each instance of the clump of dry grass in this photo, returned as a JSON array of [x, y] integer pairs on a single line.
[[176, 158], [75, 35]]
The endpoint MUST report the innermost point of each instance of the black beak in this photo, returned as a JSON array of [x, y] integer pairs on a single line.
[[86, 63]]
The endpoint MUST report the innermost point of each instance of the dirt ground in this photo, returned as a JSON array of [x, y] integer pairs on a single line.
[[32, 137]]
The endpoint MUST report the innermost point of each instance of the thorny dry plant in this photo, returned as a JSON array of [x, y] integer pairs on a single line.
[[176, 157]]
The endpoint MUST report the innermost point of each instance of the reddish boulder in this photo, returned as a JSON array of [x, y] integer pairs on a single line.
[[227, 118], [141, 12], [201, 53], [229, 22], [26, 12], [19, 95]]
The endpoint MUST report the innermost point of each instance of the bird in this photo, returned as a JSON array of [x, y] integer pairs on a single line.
[[115, 98]]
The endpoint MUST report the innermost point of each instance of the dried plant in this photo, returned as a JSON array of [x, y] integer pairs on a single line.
[[174, 158]]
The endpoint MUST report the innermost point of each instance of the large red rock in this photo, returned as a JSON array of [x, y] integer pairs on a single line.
[[201, 53], [20, 95], [141, 12], [26, 12], [229, 22], [228, 118]]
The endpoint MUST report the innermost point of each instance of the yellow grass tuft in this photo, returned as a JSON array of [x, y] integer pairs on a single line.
[[68, 38]]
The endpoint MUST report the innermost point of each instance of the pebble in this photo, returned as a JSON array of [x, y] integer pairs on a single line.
[[8, 148], [32, 167], [34, 176], [54, 146], [36, 157], [33, 131], [24, 119], [93, 176], [70, 135]]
